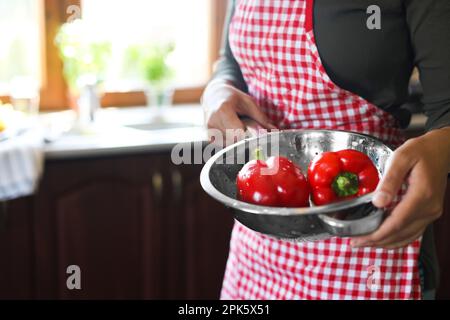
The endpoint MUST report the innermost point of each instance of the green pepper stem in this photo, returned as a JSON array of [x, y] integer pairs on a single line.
[[345, 184], [259, 154]]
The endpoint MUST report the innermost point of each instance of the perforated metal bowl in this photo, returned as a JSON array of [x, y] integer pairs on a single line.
[[347, 218]]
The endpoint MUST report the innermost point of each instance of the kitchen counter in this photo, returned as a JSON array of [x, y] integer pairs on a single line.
[[136, 130], [127, 130]]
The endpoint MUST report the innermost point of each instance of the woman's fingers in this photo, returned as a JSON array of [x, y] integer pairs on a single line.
[[230, 120], [223, 105], [402, 214], [397, 169], [406, 236], [232, 127], [251, 109], [422, 203], [410, 206], [225, 127], [394, 230]]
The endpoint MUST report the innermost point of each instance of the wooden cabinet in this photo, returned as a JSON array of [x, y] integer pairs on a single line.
[[138, 226], [207, 229], [99, 215], [17, 259]]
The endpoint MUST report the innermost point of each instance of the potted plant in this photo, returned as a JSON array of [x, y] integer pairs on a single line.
[[85, 61], [152, 64]]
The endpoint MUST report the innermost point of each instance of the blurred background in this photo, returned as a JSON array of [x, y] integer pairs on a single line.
[[94, 95], [29, 51]]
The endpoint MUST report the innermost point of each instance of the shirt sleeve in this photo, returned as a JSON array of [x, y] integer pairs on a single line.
[[227, 68], [429, 25]]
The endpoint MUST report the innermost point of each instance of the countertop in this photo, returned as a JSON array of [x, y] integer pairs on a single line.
[[126, 130], [133, 130]]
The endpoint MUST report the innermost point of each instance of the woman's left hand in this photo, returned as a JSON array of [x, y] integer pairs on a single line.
[[425, 163]]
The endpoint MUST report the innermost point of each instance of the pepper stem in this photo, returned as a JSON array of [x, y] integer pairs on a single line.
[[345, 184], [259, 154]]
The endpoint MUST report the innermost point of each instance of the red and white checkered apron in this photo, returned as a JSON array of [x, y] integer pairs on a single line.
[[273, 42]]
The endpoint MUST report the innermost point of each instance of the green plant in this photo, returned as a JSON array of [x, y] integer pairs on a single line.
[[150, 63], [82, 55]]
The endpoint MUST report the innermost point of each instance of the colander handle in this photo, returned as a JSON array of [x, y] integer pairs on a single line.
[[347, 228], [250, 130]]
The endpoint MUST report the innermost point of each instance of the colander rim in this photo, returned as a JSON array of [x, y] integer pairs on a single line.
[[280, 211]]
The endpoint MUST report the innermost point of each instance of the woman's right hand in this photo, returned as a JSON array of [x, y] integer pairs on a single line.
[[223, 104]]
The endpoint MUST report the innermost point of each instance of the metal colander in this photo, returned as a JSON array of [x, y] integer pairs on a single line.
[[347, 218]]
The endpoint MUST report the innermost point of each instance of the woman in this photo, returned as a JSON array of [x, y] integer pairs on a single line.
[[319, 64]]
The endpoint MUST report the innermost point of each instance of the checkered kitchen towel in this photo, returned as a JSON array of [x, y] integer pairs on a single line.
[[21, 164]]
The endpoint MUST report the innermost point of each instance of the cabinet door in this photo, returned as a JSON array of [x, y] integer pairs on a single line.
[[16, 249], [205, 236], [99, 215]]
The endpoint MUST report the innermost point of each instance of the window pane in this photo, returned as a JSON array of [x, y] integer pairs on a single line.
[[20, 41], [184, 23]]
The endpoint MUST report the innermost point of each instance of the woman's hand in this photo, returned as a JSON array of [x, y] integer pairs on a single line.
[[223, 104], [425, 163]]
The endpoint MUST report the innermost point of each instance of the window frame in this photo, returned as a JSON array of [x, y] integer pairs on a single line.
[[54, 94]]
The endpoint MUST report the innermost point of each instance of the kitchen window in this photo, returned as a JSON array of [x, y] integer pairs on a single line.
[[20, 50], [194, 27], [125, 23]]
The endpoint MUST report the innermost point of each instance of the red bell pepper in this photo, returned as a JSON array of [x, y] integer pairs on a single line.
[[286, 186], [335, 176]]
